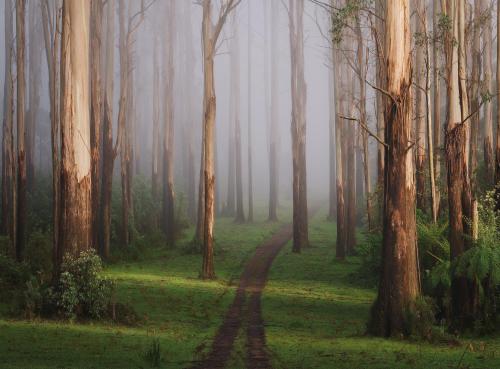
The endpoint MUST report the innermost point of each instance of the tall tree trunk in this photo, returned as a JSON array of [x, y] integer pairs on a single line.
[[75, 214], [497, 156], [420, 105], [168, 130], [34, 68], [474, 90], [109, 152], [363, 70], [298, 126], [341, 244], [21, 200], [95, 113], [350, 177], [155, 160], [51, 19], [235, 94], [437, 106], [274, 118], [487, 88], [381, 79], [249, 120], [399, 282], [332, 189], [209, 106], [8, 167], [210, 35], [459, 197]]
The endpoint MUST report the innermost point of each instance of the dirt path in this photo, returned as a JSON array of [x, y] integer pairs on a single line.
[[246, 310]]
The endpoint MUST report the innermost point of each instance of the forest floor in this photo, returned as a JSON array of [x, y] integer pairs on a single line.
[[314, 313]]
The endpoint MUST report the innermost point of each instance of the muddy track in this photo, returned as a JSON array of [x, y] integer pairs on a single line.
[[246, 310]]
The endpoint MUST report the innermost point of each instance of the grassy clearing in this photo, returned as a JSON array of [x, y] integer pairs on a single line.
[[315, 315], [178, 308]]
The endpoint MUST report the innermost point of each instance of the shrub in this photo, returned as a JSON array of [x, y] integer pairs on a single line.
[[81, 292], [370, 252], [38, 254], [420, 318]]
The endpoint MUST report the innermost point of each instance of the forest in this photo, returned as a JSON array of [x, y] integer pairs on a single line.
[[287, 184]]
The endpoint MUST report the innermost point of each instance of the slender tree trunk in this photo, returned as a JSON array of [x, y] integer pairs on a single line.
[[168, 131], [380, 79], [249, 122], [155, 162], [21, 201], [420, 106], [362, 58], [428, 119], [459, 201], [75, 130], [298, 126], [474, 90], [497, 160], [34, 69], [274, 118], [332, 189], [341, 244], [437, 107], [399, 283], [351, 171], [8, 168], [109, 153], [52, 49], [209, 106], [124, 109], [95, 113], [235, 77], [210, 34], [489, 158]]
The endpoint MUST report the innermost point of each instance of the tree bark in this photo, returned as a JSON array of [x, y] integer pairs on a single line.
[[274, 118], [168, 129], [249, 120], [497, 159], [34, 69], [75, 216], [489, 159], [456, 141], [8, 165], [109, 153], [51, 19], [95, 113], [298, 126], [341, 244], [21, 200], [210, 35], [399, 282], [235, 94], [420, 105], [437, 108]]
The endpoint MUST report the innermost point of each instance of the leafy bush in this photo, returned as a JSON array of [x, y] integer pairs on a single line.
[[38, 254], [481, 263], [420, 318], [370, 252], [81, 292]]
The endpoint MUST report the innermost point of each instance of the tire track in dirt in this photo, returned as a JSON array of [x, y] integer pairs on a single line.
[[252, 283], [241, 312]]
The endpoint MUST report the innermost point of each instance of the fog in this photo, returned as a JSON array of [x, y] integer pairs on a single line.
[[188, 91]]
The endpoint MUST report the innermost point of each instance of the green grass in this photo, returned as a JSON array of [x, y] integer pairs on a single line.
[[316, 314], [164, 289]]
